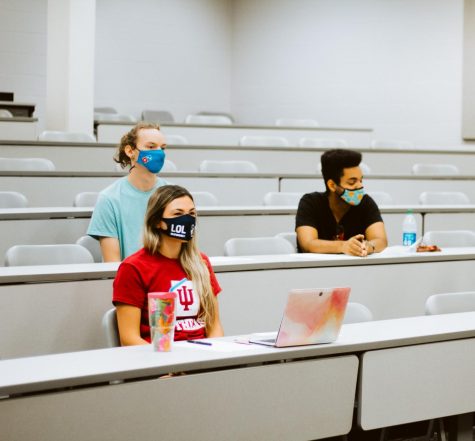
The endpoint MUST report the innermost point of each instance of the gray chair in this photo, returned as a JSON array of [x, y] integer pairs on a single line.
[[444, 198], [435, 169], [290, 237], [114, 117], [157, 116], [12, 199], [23, 255], [111, 328], [204, 199], [26, 164], [210, 120], [357, 313], [381, 197], [211, 166], [391, 144], [58, 136], [454, 238], [264, 141], [282, 198], [208, 113], [4, 113], [104, 110], [168, 166], [296, 122], [449, 303], [86, 199], [323, 143], [93, 246], [252, 246], [176, 140]]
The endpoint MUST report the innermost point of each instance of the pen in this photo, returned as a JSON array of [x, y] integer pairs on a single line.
[[197, 342]]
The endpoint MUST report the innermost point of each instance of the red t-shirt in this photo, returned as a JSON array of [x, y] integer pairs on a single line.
[[142, 273]]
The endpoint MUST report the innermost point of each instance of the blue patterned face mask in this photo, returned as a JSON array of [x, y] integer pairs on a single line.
[[352, 197], [152, 160]]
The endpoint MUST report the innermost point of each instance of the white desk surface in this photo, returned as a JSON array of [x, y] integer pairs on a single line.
[[222, 264], [30, 374], [30, 213], [256, 175]]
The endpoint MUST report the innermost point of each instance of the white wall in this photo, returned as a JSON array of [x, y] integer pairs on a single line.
[[23, 51], [163, 55], [394, 65]]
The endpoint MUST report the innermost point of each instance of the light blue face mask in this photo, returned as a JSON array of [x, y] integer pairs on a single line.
[[152, 160], [353, 197]]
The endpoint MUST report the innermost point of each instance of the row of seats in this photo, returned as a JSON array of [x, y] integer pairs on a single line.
[[251, 141], [87, 250], [13, 199], [215, 166]]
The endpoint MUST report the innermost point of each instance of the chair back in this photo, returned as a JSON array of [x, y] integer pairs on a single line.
[[357, 313], [391, 144], [26, 164], [296, 122], [23, 255], [104, 110], [279, 198], [12, 199], [435, 169], [111, 328], [381, 197], [86, 199], [157, 116], [168, 166], [264, 141], [290, 237], [93, 246], [210, 113], [444, 198], [211, 120], [211, 166], [449, 303], [204, 199], [57, 136], [323, 143], [176, 140], [252, 246], [454, 238], [114, 117], [4, 113]]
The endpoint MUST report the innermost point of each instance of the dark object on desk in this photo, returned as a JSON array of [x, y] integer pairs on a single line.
[[427, 248], [199, 342], [21, 110], [6, 96]]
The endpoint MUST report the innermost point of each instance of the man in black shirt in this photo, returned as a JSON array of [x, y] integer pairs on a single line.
[[343, 219]]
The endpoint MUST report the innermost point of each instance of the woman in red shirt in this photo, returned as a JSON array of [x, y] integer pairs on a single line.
[[169, 261]]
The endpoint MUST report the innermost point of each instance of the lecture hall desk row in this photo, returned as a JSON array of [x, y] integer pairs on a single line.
[[238, 391], [50, 189], [62, 305], [50, 225], [77, 156]]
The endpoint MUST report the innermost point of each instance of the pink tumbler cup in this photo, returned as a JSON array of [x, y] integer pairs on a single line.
[[161, 314]]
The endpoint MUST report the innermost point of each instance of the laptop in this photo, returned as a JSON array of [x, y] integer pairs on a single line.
[[311, 316]]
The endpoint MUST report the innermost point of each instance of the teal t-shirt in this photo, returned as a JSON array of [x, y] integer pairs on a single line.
[[120, 212]]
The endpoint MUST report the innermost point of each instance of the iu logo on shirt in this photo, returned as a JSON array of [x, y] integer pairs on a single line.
[[186, 303]]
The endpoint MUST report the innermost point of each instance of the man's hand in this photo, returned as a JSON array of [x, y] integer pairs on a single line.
[[355, 246]]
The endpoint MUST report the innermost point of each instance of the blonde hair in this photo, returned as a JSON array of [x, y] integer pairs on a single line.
[[190, 257], [130, 138]]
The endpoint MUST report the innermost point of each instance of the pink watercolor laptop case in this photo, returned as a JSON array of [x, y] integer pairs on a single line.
[[311, 316]]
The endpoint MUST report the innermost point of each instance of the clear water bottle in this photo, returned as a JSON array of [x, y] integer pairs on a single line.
[[409, 229]]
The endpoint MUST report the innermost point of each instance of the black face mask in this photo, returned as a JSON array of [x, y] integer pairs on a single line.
[[181, 227]]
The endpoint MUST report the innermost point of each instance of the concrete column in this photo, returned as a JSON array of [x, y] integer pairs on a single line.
[[468, 96], [70, 65]]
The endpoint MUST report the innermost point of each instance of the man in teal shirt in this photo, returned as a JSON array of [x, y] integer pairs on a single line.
[[118, 216]]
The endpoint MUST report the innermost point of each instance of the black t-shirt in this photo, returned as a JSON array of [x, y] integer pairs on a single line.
[[314, 211]]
